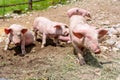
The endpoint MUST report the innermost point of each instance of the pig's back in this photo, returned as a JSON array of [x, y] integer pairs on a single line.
[[42, 23], [76, 19]]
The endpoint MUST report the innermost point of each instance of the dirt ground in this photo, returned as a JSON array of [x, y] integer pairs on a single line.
[[59, 62]]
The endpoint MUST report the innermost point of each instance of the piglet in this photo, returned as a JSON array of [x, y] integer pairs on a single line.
[[19, 36], [84, 36], [78, 11], [49, 29]]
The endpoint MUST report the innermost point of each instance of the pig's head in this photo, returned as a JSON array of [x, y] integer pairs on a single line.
[[73, 11], [78, 11], [16, 34], [62, 29], [90, 38], [83, 13]]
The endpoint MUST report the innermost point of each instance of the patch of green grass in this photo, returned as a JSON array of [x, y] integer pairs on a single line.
[[36, 79], [43, 4], [3, 64]]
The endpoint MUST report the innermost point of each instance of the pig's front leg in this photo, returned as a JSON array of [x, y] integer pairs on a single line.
[[81, 59], [35, 34], [43, 40], [56, 40], [79, 55], [7, 42], [23, 46]]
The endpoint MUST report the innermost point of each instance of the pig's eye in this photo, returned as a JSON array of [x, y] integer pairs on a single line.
[[66, 26]]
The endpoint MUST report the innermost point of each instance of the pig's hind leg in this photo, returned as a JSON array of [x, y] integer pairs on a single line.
[[44, 36], [35, 34]]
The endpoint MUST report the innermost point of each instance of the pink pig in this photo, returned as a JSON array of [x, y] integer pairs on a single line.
[[78, 11], [19, 36], [49, 29], [84, 36]]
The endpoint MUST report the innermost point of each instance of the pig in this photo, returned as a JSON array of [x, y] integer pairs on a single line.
[[78, 11], [84, 36], [19, 36], [49, 29]]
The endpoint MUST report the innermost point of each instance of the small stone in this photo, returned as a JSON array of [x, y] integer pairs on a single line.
[[1, 39], [105, 23], [110, 41], [115, 49], [112, 31], [27, 22], [98, 71], [118, 78], [33, 51], [118, 44], [104, 48]]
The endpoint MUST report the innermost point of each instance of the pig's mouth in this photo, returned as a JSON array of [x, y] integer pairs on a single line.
[[65, 34], [17, 43], [97, 52]]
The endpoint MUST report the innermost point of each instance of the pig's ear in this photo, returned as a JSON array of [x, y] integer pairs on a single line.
[[7, 31], [78, 35], [57, 26], [24, 31], [101, 32]]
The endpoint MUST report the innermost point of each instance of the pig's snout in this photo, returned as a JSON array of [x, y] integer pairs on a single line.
[[98, 51], [16, 40], [17, 43]]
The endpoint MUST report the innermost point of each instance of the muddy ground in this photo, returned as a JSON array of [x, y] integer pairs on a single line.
[[59, 62]]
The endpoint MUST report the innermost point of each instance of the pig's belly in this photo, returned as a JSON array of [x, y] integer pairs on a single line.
[[28, 42]]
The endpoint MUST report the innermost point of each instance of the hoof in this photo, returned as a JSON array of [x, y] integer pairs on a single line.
[[81, 61]]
